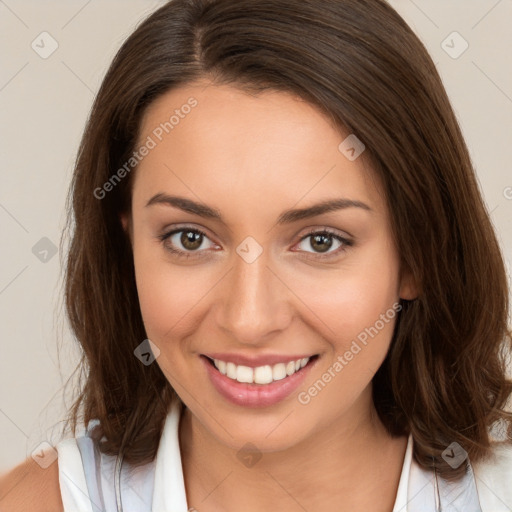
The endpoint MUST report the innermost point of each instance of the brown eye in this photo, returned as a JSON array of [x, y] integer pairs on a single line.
[[321, 242], [185, 242], [191, 240]]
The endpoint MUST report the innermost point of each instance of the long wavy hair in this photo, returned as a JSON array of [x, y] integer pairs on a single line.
[[445, 376]]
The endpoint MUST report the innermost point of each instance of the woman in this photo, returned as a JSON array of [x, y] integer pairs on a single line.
[[284, 279]]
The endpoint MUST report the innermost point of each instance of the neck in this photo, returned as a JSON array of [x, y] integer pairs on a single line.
[[349, 465]]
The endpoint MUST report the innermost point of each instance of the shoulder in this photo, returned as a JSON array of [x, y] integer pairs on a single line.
[[56, 484], [493, 477], [30, 487]]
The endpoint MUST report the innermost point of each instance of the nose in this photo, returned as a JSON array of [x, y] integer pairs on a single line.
[[254, 303]]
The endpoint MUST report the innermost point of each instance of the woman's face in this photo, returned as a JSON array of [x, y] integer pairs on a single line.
[[264, 286]]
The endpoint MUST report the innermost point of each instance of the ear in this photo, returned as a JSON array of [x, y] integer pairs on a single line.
[[409, 289], [126, 222]]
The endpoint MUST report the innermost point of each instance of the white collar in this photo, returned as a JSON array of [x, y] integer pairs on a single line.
[[403, 485], [169, 488]]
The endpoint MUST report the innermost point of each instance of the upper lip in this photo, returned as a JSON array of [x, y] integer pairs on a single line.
[[255, 361]]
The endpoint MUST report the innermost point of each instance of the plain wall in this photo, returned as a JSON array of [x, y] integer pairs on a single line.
[[45, 103]]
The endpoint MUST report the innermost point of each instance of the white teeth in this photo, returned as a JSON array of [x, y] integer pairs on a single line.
[[244, 374], [279, 371], [261, 374], [231, 370], [221, 365]]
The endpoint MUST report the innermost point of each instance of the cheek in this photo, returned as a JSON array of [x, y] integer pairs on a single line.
[[359, 307], [356, 314], [358, 320], [355, 298], [169, 294]]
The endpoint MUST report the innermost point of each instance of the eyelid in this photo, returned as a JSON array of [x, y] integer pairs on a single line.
[[324, 229]]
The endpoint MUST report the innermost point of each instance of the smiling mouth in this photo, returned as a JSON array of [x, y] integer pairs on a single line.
[[260, 375]]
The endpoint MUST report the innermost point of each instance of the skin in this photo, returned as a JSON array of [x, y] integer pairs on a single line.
[[251, 157]]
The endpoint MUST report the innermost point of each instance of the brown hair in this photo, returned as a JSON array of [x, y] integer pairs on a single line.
[[444, 378]]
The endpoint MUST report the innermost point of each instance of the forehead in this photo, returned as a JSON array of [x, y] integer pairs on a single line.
[[210, 140]]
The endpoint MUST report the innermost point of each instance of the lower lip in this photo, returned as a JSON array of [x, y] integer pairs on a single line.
[[256, 395]]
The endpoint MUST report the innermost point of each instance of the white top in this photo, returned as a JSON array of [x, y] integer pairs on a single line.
[[86, 479]]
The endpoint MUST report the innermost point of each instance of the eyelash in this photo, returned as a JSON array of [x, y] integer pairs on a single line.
[[326, 231]]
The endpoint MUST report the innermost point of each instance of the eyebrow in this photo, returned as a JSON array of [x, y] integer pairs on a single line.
[[287, 217]]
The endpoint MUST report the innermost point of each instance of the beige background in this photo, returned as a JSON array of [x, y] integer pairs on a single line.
[[44, 105]]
